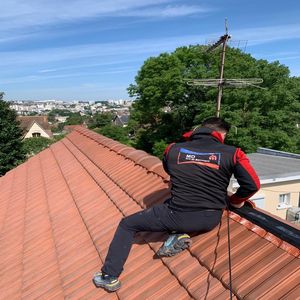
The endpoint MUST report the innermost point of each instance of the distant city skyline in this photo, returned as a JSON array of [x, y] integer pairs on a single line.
[[92, 50]]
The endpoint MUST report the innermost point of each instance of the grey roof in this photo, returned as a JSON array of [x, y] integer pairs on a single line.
[[271, 166], [124, 118]]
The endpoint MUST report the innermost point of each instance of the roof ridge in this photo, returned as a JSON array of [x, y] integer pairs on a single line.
[[151, 163]]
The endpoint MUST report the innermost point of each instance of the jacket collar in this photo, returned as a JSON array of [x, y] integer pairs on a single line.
[[203, 131]]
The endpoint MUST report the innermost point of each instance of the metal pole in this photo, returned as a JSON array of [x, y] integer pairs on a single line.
[[225, 38]]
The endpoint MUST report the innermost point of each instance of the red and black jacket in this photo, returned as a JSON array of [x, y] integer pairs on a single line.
[[200, 170]]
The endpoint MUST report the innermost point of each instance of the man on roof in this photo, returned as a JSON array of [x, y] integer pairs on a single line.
[[200, 169]]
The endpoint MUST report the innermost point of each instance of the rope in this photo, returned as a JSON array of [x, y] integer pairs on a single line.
[[229, 255]]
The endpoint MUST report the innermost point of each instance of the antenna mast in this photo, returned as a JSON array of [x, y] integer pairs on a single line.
[[223, 40], [221, 82]]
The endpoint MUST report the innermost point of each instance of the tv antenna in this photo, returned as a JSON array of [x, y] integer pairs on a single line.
[[221, 81]]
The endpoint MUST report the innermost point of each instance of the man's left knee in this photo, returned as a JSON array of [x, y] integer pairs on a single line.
[[124, 222]]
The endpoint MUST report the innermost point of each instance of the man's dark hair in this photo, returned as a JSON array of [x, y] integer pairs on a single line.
[[217, 124]]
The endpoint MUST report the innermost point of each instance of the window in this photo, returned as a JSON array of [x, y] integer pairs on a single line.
[[259, 202], [284, 198], [36, 134], [284, 201]]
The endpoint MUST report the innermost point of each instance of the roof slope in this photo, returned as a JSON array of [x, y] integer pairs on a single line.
[[59, 211], [26, 123]]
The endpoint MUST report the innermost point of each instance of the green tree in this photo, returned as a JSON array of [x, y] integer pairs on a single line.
[[58, 128], [166, 105], [35, 145], [159, 148], [11, 151], [75, 119], [100, 119], [115, 132]]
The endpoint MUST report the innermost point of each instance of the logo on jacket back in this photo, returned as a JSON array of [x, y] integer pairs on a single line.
[[208, 159]]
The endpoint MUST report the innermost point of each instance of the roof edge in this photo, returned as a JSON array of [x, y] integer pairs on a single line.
[[275, 179], [274, 152], [282, 234]]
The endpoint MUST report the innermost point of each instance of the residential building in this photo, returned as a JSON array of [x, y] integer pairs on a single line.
[[121, 120], [35, 126], [279, 174]]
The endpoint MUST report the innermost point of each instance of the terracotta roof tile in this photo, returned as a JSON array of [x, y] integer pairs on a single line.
[[59, 211]]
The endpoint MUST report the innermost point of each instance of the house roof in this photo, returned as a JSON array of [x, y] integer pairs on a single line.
[[123, 119], [59, 211], [26, 123], [270, 166]]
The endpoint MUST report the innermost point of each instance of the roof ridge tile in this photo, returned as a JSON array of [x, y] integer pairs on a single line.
[[151, 163]]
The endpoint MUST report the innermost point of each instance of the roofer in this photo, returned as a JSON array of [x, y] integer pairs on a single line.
[[200, 170]]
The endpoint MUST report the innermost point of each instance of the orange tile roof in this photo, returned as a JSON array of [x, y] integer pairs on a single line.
[[59, 211]]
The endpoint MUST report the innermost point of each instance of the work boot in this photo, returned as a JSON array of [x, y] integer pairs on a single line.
[[107, 282], [175, 244]]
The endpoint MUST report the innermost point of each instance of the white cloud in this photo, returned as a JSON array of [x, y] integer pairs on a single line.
[[167, 11], [47, 71], [118, 49], [278, 55], [130, 49], [32, 78], [263, 35], [80, 65], [19, 14]]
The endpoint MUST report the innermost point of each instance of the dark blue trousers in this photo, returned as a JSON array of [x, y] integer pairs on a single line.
[[158, 218]]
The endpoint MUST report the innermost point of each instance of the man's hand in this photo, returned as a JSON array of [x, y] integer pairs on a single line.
[[229, 194], [237, 205]]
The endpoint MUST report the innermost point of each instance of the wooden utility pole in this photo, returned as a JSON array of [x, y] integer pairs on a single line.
[[220, 87], [223, 40]]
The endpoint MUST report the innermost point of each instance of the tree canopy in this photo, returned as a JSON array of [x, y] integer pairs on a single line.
[[115, 132], [34, 145], [75, 119], [100, 119], [11, 151], [166, 106]]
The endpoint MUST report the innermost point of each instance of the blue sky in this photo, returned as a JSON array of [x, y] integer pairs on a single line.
[[92, 49]]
